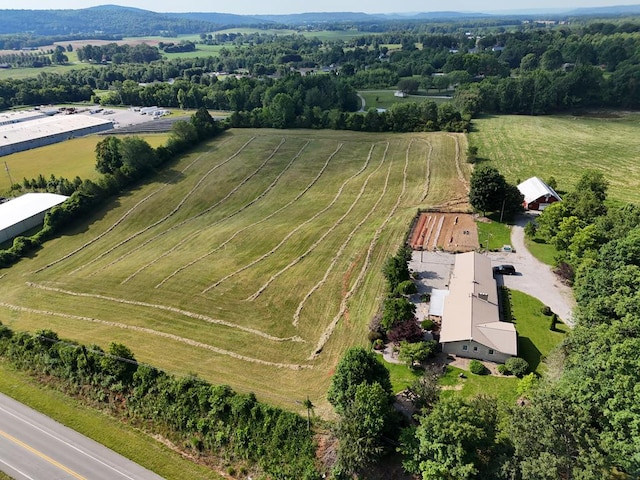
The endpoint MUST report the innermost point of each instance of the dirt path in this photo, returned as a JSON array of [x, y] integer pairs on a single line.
[[534, 277]]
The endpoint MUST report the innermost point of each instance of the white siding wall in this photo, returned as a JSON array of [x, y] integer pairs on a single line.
[[20, 227], [474, 350]]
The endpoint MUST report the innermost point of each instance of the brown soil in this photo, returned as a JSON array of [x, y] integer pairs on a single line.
[[451, 232]]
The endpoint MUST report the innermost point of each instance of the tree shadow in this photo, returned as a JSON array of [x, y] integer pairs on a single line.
[[528, 351]]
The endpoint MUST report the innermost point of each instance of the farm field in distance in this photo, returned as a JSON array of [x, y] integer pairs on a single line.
[[68, 159], [563, 147], [254, 261]]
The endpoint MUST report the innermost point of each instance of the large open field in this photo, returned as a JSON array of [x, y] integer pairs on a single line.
[[563, 147], [254, 261], [64, 159]]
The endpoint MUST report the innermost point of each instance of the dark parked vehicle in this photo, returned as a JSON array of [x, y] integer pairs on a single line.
[[504, 270]]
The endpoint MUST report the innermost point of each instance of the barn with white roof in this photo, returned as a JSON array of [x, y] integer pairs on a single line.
[[25, 212], [537, 194]]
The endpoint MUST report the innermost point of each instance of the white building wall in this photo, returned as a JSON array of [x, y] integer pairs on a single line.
[[471, 349], [21, 227]]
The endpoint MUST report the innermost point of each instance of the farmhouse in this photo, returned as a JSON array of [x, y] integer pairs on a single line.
[[25, 212], [537, 194], [24, 132], [471, 325]]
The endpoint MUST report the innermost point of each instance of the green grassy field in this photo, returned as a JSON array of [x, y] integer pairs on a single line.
[[64, 159], [386, 98], [254, 261], [563, 147], [493, 235]]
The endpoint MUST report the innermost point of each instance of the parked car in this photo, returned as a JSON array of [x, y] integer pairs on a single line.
[[504, 270]]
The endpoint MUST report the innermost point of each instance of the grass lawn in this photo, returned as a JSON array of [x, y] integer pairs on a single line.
[[401, 376], [503, 388], [385, 98], [492, 234], [122, 438], [542, 251], [535, 340], [563, 146]]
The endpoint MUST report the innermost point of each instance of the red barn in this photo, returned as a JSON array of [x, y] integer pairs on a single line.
[[537, 194]]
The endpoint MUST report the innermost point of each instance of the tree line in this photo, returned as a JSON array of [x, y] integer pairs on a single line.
[[210, 421]]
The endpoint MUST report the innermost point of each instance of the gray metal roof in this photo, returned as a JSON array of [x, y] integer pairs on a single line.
[[46, 126], [26, 206]]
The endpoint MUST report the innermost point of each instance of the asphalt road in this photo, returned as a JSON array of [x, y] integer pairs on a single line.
[[35, 447]]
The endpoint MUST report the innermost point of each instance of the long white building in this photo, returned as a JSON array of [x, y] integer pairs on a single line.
[[25, 212], [20, 131]]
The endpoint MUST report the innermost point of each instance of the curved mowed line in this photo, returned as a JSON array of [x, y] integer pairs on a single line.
[[223, 244], [167, 216], [292, 232], [204, 212], [315, 244], [324, 338], [166, 308], [149, 331], [336, 257], [121, 219]]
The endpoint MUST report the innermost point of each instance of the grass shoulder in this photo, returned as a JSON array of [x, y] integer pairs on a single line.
[[125, 440], [493, 234]]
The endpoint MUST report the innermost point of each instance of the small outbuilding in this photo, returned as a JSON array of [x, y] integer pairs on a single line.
[[25, 212], [537, 194]]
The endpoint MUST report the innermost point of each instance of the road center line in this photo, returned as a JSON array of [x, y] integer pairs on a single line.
[[41, 455]]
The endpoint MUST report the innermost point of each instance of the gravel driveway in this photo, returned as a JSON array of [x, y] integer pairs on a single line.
[[534, 277]]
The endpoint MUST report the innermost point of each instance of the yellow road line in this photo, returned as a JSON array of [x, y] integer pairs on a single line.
[[41, 455]]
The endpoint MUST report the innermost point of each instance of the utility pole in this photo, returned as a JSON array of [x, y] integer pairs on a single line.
[[6, 167]]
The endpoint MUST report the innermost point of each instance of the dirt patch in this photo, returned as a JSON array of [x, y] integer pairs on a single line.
[[451, 232]]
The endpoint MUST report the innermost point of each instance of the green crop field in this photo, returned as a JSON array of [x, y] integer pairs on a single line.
[[253, 261], [563, 147], [68, 159]]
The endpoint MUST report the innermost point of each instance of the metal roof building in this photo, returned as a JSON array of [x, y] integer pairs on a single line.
[[40, 130], [25, 212], [537, 194], [471, 325]]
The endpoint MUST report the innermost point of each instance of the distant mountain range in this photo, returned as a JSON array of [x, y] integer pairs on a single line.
[[117, 20]]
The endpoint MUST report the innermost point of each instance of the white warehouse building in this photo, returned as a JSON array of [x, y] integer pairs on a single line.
[[25, 133], [25, 212]]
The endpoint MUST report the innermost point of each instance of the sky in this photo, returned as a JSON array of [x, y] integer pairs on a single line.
[[248, 7]]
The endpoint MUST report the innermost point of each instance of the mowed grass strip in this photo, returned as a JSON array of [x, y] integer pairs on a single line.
[[338, 211], [563, 147]]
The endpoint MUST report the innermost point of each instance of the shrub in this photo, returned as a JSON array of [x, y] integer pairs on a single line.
[[408, 330], [546, 310], [407, 288], [502, 370], [427, 324], [425, 297], [373, 336], [518, 366], [378, 344], [530, 230], [476, 367]]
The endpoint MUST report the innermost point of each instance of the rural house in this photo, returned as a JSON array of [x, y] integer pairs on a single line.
[[471, 325], [537, 194]]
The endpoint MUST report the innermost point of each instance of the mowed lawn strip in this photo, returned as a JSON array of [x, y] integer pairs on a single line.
[[562, 147], [123, 439], [356, 192]]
